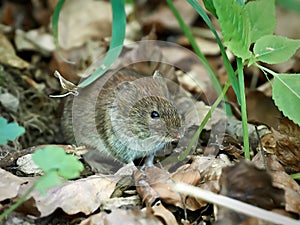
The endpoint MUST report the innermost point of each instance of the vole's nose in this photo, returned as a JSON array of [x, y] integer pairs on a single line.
[[176, 137], [175, 142]]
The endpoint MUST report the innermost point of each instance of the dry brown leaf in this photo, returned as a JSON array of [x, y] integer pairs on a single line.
[[8, 55], [17, 14], [292, 190], [281, 180], [155, 183], [120, 216], [210, 169], [83, 195], [284, 142], [188, 173], [164, 215], [247, 183], [81, 21], [160, 16], [206, 46], [196, 80], [9, 185], [143, 186], [232, 147], [35, 40], [261, 109], [147, 56]]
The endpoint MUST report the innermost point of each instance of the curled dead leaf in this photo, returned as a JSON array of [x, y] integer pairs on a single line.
[[83, 195], [121, 216], [285, 143], [9, 185], [8, 55], [165, 215]]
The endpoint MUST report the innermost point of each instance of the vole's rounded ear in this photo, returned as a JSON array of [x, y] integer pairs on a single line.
[[161, 81], [126, 91]]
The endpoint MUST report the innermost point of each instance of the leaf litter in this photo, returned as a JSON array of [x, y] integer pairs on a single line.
[[147, 196]]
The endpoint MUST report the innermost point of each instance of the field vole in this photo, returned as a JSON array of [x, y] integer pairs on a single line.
[[123, 115]]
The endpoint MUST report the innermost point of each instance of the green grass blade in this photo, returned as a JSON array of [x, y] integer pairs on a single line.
[[191, 39], [185, 153], [55, 19], [232, 77], [243, 108], [116, 44]]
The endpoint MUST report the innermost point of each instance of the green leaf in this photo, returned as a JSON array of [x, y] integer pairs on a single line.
[[235, 27], [286, 95], [275, 49], [49, 180], [55, 158], [262, 18], [209, 5], [9, 131]]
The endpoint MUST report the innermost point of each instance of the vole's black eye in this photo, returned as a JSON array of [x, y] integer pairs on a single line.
[[154, 115]]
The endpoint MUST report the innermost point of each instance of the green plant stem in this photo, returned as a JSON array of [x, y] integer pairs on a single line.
[[240, 67], [198, 52], [204, 121], [230, 72], [18, 203], [264, 69]]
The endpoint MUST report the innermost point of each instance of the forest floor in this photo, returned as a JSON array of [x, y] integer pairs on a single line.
[[28, 61]]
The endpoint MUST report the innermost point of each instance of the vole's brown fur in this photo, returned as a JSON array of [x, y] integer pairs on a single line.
[[113, 115]]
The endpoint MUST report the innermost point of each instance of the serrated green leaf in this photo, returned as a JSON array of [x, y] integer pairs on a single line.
[[286, 95], [9, 131], [49, 180], [55, 158], [274, 49], [262, 18], [235, 27]]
